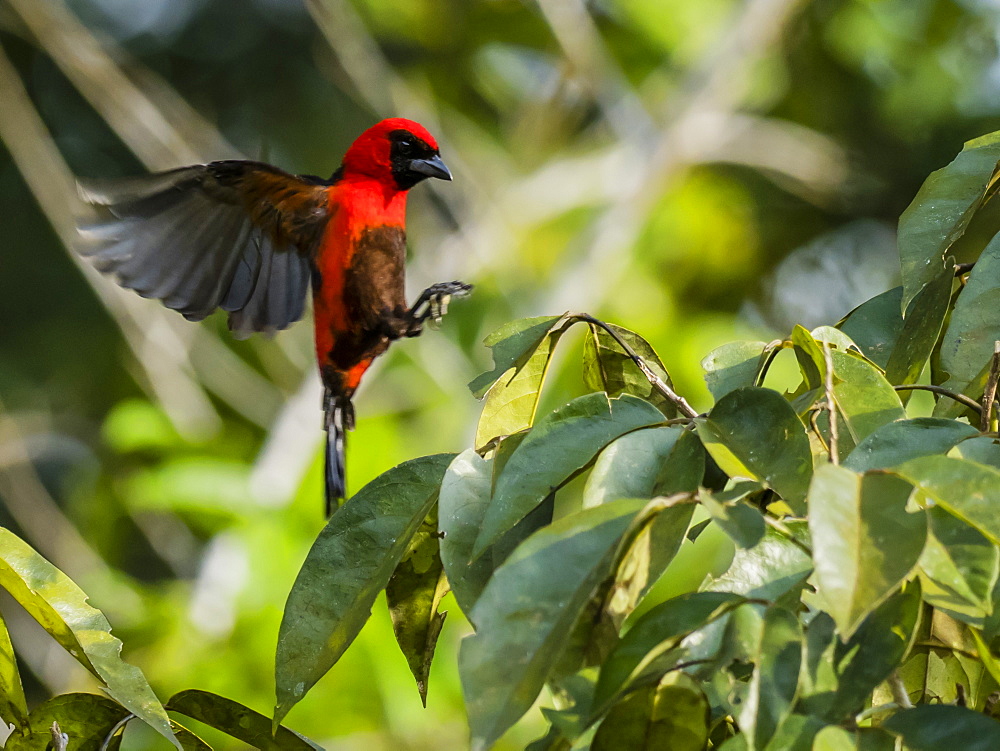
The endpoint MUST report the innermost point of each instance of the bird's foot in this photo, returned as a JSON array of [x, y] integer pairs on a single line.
[[433, 304]]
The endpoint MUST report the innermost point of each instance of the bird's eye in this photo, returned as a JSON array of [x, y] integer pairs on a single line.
[[405, 148]]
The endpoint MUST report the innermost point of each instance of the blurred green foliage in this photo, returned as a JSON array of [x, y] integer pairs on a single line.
[[649, 161]]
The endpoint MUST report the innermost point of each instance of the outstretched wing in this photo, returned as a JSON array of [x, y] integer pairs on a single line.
[[236, 235]]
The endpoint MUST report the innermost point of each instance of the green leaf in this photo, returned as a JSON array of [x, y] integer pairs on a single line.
[[732, 366], [981, 449], [775, 680], [671, 715], [13, 705], [348, 565], [462, 503], [607, 368], [768, 571], [525, 612], [872, 653], [656, 633], [86, 718], [512, 401], [558, 447], [741, 522], [939, 727], [942, 210], [969, 490], [922, 326], [974, 326], [795, 733], [52, 599], [832, 738], [903, 440], [238, 721], [413, 594], [854, 519], [754, 433], [875, 326], [646, 463], [512, 345], [960, 566]]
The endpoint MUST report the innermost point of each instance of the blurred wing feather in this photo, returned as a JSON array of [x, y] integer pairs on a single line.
[[235, 235]]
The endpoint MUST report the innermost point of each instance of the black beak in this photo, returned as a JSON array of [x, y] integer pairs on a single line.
[[432, 167]]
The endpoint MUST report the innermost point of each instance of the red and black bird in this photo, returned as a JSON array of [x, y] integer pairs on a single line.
[[250, 238]]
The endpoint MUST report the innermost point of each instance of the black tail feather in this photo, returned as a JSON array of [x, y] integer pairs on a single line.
[[339, 419]]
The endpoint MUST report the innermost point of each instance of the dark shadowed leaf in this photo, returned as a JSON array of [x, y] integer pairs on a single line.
[[741, 522], [942, 210], [981, 449], [646, 463], [86, 718], [512, 345], [974, 327], [413, 595], [732, 366], [875, 325], [462, 503], [525, 612], [238, 721], [969, 490], [656, 633], [903, 440], [773, 687], [348, 565], [854, 519], [511, 402], [671, 715], [52, 599], [559, 445], [921, 329], [945, 728], [754, 434], [960, 567], [606, 367], [13, 706]]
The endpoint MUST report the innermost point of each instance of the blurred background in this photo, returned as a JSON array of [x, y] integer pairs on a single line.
[[696, 170]]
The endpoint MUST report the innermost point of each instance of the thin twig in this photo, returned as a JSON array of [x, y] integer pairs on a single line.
[[60, 740], [118, 726], [655, 381], [770, 352], [960, 398], [963, 268], [990, 392], [831, 406], [899, 694]]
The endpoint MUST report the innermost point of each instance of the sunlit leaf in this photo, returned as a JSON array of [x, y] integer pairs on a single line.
[[512, 344], [795, 733], [606, 367], [86, 718], [832, 738], [511, 402], [560, 444], [52, 599], [974, 327], [754, 434], [413, 595], [769, 570], [942, 210], [900, 441], [13, 705], [775, 680], [464, 498], [646, 463], [348, 565], [853, 520], [960, 565], [671, 715], [238, 721], [732, 366], [939, 727], [969, 490], [524, 613]]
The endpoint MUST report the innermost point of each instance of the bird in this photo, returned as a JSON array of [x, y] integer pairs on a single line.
[[251, 239]]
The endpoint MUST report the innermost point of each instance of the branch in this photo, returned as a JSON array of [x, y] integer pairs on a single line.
[[831, 406], [960, 398], [655, 381], [990, 392]]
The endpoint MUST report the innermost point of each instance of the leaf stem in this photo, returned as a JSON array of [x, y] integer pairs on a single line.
[[831, 406], [960, 398], [990, 392], [899, 694], [118, 726], [655, 381]]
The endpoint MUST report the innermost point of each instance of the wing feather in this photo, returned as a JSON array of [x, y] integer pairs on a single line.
[[235, 235]]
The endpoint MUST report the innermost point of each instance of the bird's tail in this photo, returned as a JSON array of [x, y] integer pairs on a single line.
[[339, 418]]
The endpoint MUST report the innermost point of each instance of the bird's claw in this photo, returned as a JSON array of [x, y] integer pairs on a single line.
[[432, 305]]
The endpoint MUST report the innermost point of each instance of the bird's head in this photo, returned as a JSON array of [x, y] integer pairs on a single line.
[[396, 152]]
